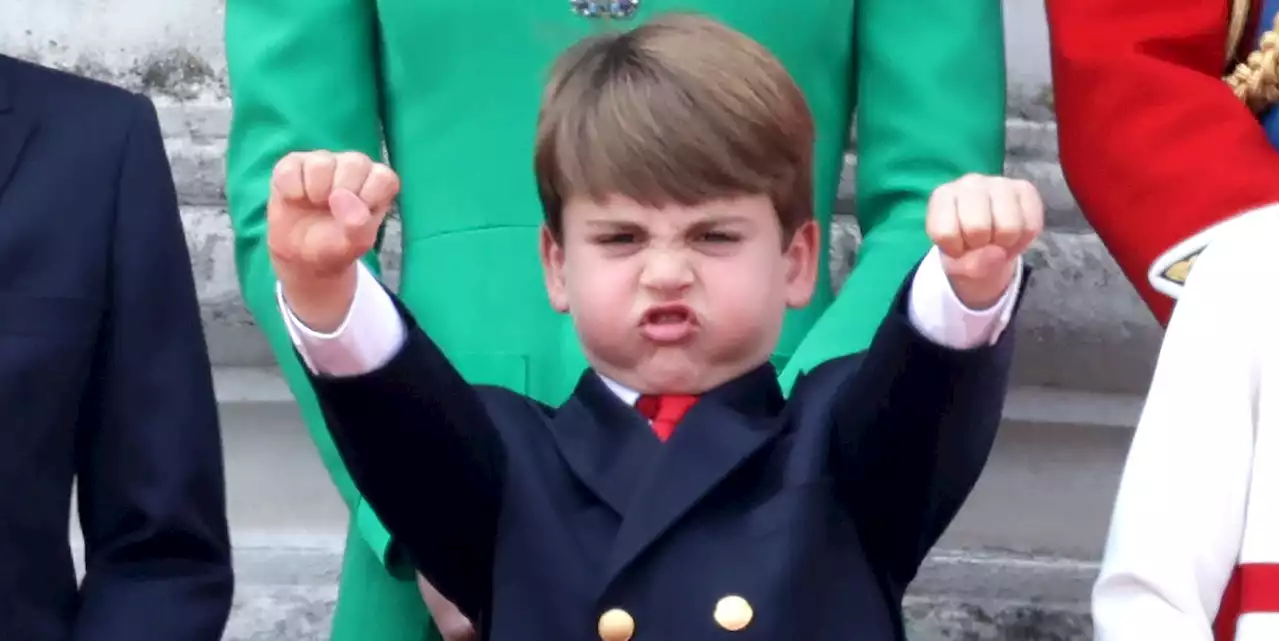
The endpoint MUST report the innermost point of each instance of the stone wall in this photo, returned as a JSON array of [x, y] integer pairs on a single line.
[[1083, 326]]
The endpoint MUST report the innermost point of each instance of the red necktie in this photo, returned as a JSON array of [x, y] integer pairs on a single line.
[[665, 411]]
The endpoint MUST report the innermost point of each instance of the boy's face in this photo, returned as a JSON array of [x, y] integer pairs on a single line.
[[678, 299]]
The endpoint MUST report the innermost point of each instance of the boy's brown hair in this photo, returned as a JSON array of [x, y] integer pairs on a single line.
[[681, 110]]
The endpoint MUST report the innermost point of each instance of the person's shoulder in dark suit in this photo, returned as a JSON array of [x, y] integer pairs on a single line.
[[101, 114], [74, 123], [100, 315]]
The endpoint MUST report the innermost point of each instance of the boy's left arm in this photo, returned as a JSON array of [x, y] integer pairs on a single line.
[[918, 127], [913, 426]]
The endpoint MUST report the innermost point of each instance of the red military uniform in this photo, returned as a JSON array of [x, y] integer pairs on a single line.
[[1154, 145]]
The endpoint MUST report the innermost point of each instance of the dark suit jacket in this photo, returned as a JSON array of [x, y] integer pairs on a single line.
[[104, 377], [816, 510]]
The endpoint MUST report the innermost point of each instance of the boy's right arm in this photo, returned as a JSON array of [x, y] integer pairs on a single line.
[[405, 422], [412, 433], [1178, 518], [914, 421], [913, 424]]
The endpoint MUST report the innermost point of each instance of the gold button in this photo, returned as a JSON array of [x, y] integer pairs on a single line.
[[733, 613], [616, 625]]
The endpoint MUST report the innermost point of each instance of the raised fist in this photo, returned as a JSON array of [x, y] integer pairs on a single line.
[[324, 212], [982, 225]]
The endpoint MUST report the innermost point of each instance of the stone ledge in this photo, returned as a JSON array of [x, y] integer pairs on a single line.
[[287, 594], [287, 586], [284, 613], [956, 620], [304, 614]]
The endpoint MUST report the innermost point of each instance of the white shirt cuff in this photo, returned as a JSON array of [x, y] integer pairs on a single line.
[[370, 335], [937, 313]]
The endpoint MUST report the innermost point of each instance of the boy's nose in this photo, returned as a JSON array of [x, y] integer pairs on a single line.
[[667, 272]]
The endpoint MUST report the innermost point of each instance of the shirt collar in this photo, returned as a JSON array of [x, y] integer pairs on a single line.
[[628, 395]]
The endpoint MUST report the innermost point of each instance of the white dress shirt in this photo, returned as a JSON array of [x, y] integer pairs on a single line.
[[372, 332]]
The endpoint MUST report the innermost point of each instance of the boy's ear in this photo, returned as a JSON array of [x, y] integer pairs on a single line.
[[552, 255], [802, 264]]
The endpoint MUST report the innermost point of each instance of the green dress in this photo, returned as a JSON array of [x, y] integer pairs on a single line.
[[452, 88]]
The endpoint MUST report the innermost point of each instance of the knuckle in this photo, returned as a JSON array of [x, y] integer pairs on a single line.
[[941, 224], [387, 177], [320, 160], [354, 159], [288, 164]]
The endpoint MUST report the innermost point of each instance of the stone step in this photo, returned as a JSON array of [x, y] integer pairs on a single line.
[[288, 594], [1016, 564]]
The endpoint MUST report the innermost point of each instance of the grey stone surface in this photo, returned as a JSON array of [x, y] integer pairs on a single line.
[[302, 609], [289, 594], [957, 620]]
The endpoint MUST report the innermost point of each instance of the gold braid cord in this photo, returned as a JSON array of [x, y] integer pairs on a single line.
[[1254, 81]]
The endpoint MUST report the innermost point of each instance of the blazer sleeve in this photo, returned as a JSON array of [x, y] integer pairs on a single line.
[[414, 433], [931, 108], [1178, 517], [150, 485], [912, 428], [1153, 144], [303, 75]]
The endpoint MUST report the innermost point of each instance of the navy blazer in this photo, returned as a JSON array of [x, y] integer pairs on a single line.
[[760, 518], [104, 377]]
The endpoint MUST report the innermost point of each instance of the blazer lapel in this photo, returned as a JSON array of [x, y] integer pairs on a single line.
[[607, 443], [720, 432], [14, 129]]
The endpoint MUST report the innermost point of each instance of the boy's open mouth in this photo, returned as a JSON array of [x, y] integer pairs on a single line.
[[669, 323]]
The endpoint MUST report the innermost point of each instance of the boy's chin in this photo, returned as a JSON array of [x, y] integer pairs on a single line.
[[673, 378], [663, 375]]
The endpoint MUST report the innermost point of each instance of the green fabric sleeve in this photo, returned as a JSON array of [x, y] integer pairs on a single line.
[[303, 76], [931, 108]]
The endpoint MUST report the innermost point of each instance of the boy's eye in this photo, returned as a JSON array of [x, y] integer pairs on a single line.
[[718, 237], [621, 238]]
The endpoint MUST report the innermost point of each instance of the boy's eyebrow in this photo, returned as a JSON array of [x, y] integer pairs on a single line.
[[720, 219], [612, 223], [700, 222]]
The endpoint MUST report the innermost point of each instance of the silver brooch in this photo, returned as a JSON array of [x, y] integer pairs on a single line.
[[615, 9]]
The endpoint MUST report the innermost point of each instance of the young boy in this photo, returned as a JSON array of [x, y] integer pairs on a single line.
[[676, 494]]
